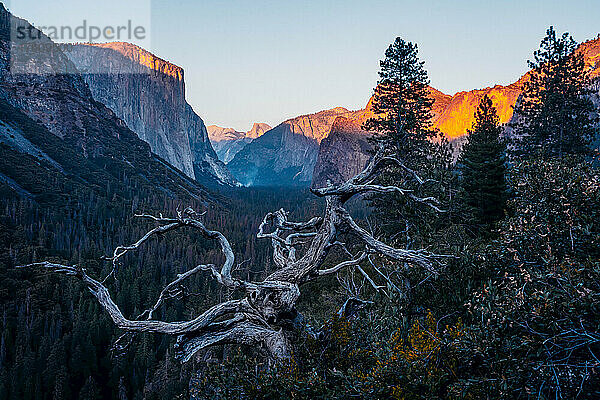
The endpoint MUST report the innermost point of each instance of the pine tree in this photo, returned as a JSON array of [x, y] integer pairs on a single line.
[[482, 163], [402, 109], [90, 390], [402, 104], [553, 115], [402, 122]]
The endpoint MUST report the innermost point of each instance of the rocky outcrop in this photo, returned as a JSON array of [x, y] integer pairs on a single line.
[[227, 142], [148, 94], [286, 154], [53, 127], [343, 153]]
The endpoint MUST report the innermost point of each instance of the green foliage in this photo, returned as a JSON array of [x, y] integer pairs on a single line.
[[482, 165], [513, 316], [536, 323], [554, 114], [349, 360], [402, 104], [402, 121]]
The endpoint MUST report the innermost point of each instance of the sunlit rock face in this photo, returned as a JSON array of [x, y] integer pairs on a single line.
[[286, 154], [440, 101], [227, 142], [148, 94], [346, 149], [458, 115], [591, 55], [258, 129]]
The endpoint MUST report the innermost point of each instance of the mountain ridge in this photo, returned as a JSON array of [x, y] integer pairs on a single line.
[[457, 116], [286, 154], [345, 150]]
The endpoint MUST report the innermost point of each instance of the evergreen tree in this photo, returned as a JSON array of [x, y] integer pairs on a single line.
[[482, 163], [402, 122], [553, 116], [89, 391], [402, 104]]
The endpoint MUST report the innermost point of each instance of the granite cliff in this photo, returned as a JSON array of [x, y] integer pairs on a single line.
[[345, 151], [56, 138], [456, 116], [148, 94]]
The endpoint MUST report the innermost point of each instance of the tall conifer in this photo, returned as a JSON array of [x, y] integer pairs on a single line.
[[403, 112], [555, 115], [482, 165]]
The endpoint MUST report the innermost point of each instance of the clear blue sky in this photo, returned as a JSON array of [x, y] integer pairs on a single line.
[[267, 61]]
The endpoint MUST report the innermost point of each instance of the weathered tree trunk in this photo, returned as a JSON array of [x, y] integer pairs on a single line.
[[266, 317]]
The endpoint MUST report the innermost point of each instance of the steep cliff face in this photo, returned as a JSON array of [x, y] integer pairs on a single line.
[[286, 154], [345, 151], [227, 142], [31, 81], [457, 116], [148, 94], [440, 102], [53, 131], [591, 54]]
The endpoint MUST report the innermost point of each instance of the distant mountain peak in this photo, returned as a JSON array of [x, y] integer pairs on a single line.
[[227, 142], [257, 130], [218, 133]]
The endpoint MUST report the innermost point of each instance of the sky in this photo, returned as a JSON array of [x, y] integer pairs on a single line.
[[267, 61]]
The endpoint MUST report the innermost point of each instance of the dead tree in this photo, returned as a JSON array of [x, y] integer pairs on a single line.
[[265, 313]]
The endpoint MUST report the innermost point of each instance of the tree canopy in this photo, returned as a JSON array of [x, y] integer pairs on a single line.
[[482, 165], [555, 115]]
